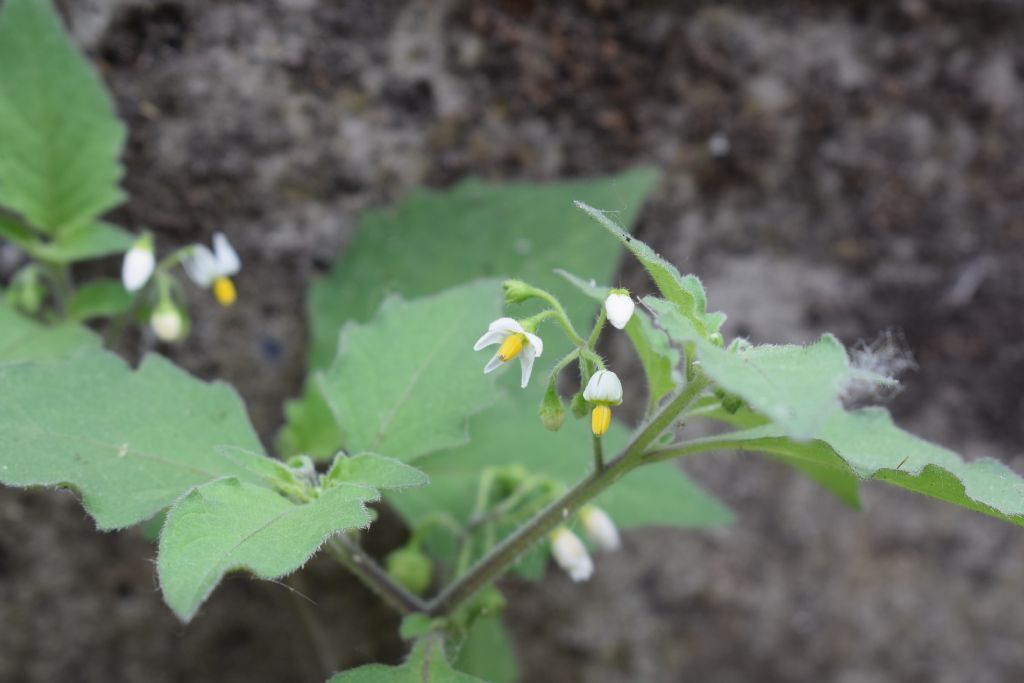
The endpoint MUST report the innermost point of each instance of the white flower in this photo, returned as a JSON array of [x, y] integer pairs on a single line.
[[619, 307], [600, 528], [167, 322], [515, 341], [571, 555], [139, 264], [604, 389], [213, 268]]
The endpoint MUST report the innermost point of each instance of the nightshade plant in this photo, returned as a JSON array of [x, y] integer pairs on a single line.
[[489, 473]]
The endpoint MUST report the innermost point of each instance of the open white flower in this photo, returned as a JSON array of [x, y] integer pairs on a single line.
[[515, 341], [619, 306], [603, 390], [167, 322], [571, 555], [139, 264], [600, 528], [213, 269]]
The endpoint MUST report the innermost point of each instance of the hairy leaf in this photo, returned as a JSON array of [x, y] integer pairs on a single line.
[[433, 240], [131, 441], [686, 292], [426, 664], [61, 140], [865, 444], [378, 471], [404, 383], [230, 525], [796, 387], [23, 339]]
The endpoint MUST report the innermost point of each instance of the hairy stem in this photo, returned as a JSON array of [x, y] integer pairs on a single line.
[[495, 563], [355, 559]]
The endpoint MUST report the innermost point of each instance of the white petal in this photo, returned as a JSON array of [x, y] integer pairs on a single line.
[[535, 342], [137, 268], [600, 528], [201, 266], [228, 262], [526, 362], [582, 570], [490, 337], [506, 325], [619, 308], [571, 555], [604, 386], [494, 362]]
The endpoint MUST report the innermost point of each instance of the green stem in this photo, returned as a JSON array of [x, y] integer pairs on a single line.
[[598, 326], [598, 454], [560, 315], [498, 560], [355, 559]]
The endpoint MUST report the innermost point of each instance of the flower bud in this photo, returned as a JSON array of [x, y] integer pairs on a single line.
[[571, 555], [578, 405], [517, 291], [552, 411], [139, 264], [410, 568], [167, 322], [600, 528], [619, 307]]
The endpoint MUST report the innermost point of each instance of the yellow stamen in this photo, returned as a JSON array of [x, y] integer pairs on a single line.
[[224, 291], [511, 347], [600, 419]]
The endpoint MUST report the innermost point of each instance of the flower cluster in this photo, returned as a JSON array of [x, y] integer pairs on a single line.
[[603, 389], [209, 269]]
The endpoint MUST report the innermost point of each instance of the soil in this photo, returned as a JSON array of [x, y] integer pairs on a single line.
[[847, 166]]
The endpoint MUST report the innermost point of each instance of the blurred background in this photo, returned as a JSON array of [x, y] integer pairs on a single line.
[[848, 166]]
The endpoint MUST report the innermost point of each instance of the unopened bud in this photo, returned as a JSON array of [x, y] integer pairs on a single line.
[[578, 405], [167, 322], [552, 411], [410, 568], [517, 291]]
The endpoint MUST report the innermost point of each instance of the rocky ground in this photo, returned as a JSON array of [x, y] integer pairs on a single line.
[[847, 166]]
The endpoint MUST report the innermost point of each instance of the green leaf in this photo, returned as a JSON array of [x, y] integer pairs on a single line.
[[90, 241], [309, 425], [15, 232], [23, 339], [434, 240], [865, 444], [796, 387], [487, 652], [652, 345], [404, 383], [131, 442], [231, 525], [99, 299], [686, 292], [426, 664], [59, 159], [378, 471]]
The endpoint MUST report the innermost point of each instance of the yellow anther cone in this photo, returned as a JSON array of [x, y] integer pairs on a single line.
[[600, 419], [224, 291], [511, 347]]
